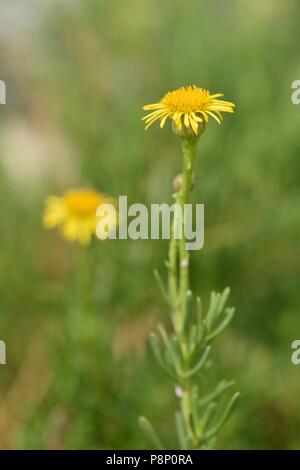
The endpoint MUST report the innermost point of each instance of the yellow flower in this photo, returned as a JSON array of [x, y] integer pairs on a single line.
[[188, 106], [74, 213]]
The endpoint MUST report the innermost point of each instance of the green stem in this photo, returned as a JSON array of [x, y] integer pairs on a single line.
[[83, 279], [81, 315], [178, 287], [178, 281], [189, 152], [187, 348], [172, 279]]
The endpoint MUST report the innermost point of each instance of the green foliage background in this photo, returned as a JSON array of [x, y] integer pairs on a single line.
[[81, 77]]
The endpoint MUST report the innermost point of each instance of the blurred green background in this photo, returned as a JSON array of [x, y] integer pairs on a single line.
[[77, 75]]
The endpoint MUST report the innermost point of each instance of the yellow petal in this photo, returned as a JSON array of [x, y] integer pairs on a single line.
[[162, 122], [214, 116], [194, 125], [152, 106], [186, 120]]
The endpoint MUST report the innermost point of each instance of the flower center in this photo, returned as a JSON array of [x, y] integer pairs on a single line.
[[186, 99], [83, 201]]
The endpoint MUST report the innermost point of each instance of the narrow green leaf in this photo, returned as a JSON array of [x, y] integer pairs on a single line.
[[208, 415], [223, 299], [176, 359], [180, 431], [157, 354], [221, 388], [212, 310], [193, 343], [161, 287], [188, 313], [198, 339], [229, 313], [150, 433], [199, 316], [176, 347], [228, 411], [199, 364], [195, 414], [210, 444], [174, 350]]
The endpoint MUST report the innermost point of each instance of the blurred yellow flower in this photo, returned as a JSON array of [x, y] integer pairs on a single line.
[[74, 213], [188, 106]]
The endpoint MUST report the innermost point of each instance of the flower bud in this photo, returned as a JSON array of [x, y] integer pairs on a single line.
[[177, 183], [187, 132]]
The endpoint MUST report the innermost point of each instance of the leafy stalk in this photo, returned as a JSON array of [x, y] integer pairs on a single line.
[[184, 353]]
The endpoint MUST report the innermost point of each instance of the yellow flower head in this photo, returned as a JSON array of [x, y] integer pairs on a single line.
[[188, 106], [74, 213]]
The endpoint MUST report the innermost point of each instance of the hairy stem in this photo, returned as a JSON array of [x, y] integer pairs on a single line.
[[179, 277], [189, 151], [173, 269]]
